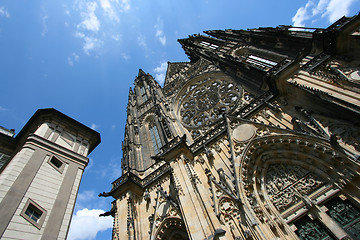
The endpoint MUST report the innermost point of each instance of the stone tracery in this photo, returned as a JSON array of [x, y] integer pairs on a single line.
[[285, 182], [205, 100]]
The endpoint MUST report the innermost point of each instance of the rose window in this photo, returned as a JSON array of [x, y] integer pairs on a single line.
[[206, 101]]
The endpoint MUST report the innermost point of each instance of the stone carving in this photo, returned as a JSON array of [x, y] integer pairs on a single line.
[[147, 196], [205, 102], [243, 132], [166, 213], [310, 125], [348, 133], [176, 79], [225, 180], [228, 209], [209, 154], [284, 183], [217, 148]]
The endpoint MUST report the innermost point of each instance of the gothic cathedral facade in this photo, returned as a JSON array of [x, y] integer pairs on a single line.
[[256, 137]]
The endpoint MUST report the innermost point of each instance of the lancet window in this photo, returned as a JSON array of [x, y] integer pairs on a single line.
[[143, 93], [155, 137]]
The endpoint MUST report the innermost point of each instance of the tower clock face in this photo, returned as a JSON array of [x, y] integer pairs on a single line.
[[204, 101]]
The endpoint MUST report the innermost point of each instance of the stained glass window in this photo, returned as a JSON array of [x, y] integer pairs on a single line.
[[155, 138]]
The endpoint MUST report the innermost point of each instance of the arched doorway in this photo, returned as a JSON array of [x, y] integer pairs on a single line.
[[172, 229]]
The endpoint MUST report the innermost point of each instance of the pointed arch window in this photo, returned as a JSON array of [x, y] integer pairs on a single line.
[[155, 138], [143, 93]]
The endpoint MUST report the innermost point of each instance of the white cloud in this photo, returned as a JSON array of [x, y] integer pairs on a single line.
[[73, 58], [44, 19], [94, 126], [4, 12], [116, 37], [112, 7], [302, 15], [160, 72], [76, 57], [109, 10], [99, 22], [159, 31], [142, 41], [338, 8], [86, 224], [124, 5], [125, 56], [90, 21], [85, 196], [70, 61], [90, 43], [332, 10]]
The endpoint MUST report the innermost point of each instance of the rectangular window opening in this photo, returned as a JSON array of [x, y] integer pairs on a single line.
[[56, 162], [33, 212], [260, 62], [209, 45]]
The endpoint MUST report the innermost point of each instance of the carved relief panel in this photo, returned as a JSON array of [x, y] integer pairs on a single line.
[[286, 183]]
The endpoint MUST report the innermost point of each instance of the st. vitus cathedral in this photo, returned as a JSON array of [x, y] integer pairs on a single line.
[[257, 137]]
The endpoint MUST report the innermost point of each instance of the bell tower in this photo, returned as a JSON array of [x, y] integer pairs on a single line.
[[147, 127]]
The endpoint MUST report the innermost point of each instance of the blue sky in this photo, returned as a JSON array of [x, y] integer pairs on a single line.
[[81, 57]]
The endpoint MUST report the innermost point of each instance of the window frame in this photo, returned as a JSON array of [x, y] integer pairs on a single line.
[[143, 94], [61, 168], [38, 224], [155, 137]]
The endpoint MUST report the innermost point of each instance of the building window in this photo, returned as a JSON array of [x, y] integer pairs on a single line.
[[209, 45], [155, 138], [346, 214], [33, 213], [3, 159], [57, 164], [260, 62], [308, 229], [143, 93], [166, 128]]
